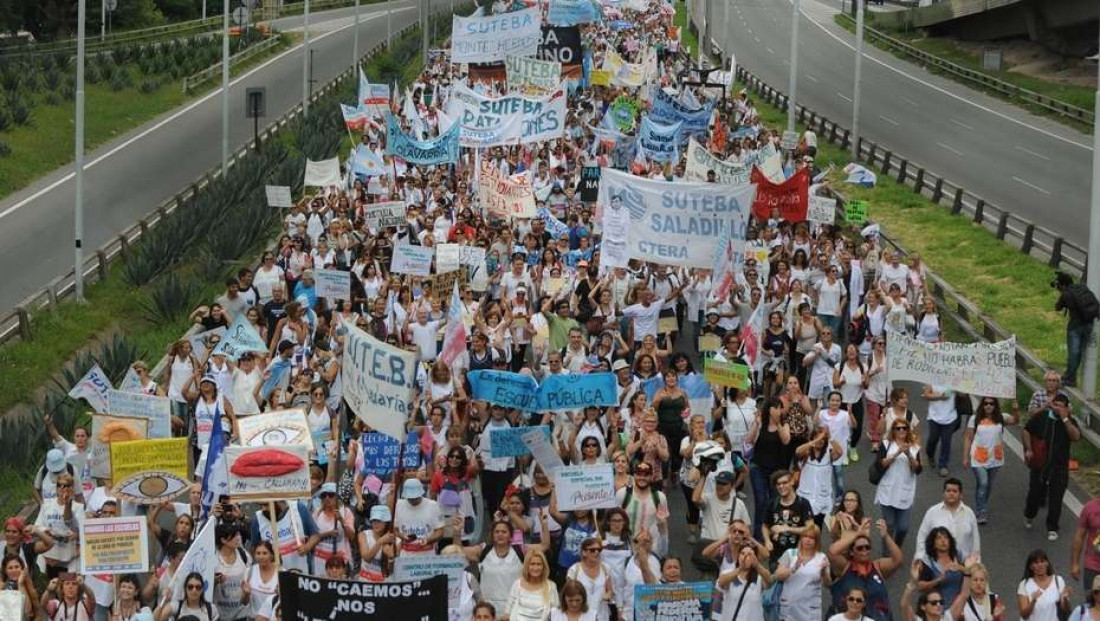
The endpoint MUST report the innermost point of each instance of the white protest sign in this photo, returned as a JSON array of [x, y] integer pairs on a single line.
[[241, 336], [421, 567], [381, 215], [378, 381], [987, 369], [493, 38], [822, 209], [700, 161], [279, 196], [530, 76], [585, 487], [333, 284], [268, 472], [542, 449], [11, 605], [157, 410], [472, 255], [198, 341], [275, 428], [490, 122], [201, 558], [412, 260], [505, 196], [118, 545], [324, 173], [789, 141], [447, 258]]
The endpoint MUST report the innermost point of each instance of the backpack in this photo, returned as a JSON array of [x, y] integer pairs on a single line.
[[1084, 302]]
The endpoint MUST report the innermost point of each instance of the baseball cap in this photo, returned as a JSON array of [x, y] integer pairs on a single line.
[[412, 489], [55, 461], [724, 478]]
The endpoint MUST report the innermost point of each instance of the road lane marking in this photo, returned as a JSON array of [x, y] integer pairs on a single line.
[[955, 151], [909, 101], [1032, 153], [811, 78], [757, 39], [198, 102], [770, 51], [844, 97], [888, 120], [1031, 185], [961, 124], [946, 92]]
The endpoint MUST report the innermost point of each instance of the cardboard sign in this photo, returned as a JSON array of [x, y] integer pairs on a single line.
[[275, 428], [268, 473], [855, 212], [114, 545], [11, 605], [822, 210], [585, 487], [447, 258], [382, 453], [279, 196], [412, 260], [710, 343], [599, 77], [590, 184], [789, 141], [382, 215], [541, 447], [149, 472], [333, 284], [157, 410], [667, 324], [443, 284], [107, 429], [424, 567], [728, 374]]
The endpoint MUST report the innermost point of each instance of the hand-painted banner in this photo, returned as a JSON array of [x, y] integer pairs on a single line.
[[508, 441], [411, 260], [532, 77], [489, 122], [312, 598], [241, 336], [441, 150], [275, 428], [108, 429], [118, 545], [378, 381], [157, 410], [789, 199], [381, 215], [699, 161], [572, 12], [504, 196], [726, 374], [267, 472], [670, 223], [822, 209], [585, 487], [561, 44], [149, 472], [668, 110], [572, 391], [493, 38], [324, 173], [382, 454], [975, 368], [673, 602], [659, 142]]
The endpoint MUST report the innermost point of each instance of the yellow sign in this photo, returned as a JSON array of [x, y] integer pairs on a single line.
[[667, 324], [600, 77], [114, 546], [726, 374], [710, 343], [150, 471]]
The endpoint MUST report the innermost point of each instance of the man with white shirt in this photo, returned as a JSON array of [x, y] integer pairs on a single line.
[[956, 517], [892, 272], [645, 314], [417, 520]]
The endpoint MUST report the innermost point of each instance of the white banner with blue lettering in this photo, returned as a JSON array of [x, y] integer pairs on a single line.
[[491, 39], [658, 142], [489, 122], [441, 150], [572, 12], [669, 223], [668, 110]]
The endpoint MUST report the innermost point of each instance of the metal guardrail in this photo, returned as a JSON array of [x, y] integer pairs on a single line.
[[1031, 239], [17, 323], [979, 78], [208, 74]]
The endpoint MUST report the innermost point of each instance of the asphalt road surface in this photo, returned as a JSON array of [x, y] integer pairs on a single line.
[[1005, 542], [127, 178], [1029, 165]]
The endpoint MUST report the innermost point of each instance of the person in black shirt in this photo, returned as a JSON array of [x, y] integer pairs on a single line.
[[274, 310], [787, 518], [1047, 438]]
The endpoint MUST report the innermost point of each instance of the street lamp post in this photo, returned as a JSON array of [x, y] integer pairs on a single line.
[[225, 88], [305, 61], [389, 23], [78, 219], [793, 84], [355, 39], [1092, 276], [859, 72]]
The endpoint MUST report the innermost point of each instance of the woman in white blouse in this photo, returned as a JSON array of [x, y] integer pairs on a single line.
[[533, 595], [742, 588]]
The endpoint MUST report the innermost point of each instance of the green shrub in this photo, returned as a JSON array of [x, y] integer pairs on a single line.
[[20, 111], [121, 80], [5, 150], [52, 98], [170, 299], [149, 86], [5, 119], [92, 73]]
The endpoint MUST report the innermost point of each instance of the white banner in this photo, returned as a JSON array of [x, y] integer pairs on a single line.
[[157, 410], [447, 258], [276, 428], [488, 122], [426, 566], [201, 558], [699, 161], [333, 284], [381, 215], [324, 173], [472, 255], [530, 76], [822, 209], [670, 223], [279, 196], [986, 369], [494, 38], [378, 382], [412, 260], [504, 196], [585, 487]]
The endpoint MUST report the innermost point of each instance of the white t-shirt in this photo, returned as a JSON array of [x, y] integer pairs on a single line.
[[421, 520], [752, 608], [715, 514], [1046, 607], [942, 411], [645, 319], [424, 337]]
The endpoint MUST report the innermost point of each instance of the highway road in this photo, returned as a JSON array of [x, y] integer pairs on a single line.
[[1029, 165], [126, 179], [1004, 540]]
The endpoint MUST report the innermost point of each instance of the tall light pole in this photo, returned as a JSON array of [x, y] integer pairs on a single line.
[[424, 23], [225, 89], [792, 86], [389, 23], [1092, 277], [305, 62], [102, 19], [78, 219], [859, 72], [355, 40]]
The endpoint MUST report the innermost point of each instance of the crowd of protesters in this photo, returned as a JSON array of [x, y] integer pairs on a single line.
[[771, 519]]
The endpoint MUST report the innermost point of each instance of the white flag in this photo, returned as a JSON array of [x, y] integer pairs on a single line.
[[93, 388]]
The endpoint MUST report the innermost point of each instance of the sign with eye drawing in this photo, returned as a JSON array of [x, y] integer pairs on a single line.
[[149, 472], [278, 428], [268, 472]]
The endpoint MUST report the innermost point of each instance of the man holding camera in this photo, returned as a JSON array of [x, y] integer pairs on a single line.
[[718, 506], [1082, 307]]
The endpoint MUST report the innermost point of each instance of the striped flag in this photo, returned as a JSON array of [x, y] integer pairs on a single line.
[[354, 117], [454, 339], [93, 388]]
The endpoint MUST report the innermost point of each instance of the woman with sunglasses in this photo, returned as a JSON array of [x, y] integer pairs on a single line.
[[192, 604], [593, 574], [577, 525], [1042, 594], [931, 605], [901, 463], [984, 451], [854, 566], [855, 603]]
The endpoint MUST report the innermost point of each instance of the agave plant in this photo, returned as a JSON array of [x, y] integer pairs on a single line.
[[170, 298]]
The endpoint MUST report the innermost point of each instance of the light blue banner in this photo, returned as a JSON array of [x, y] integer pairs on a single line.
[[668, 602], [572, 12], [659, 142], [668, 110], [511, 390], [441, 150], [508, 441], [558, 392]]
